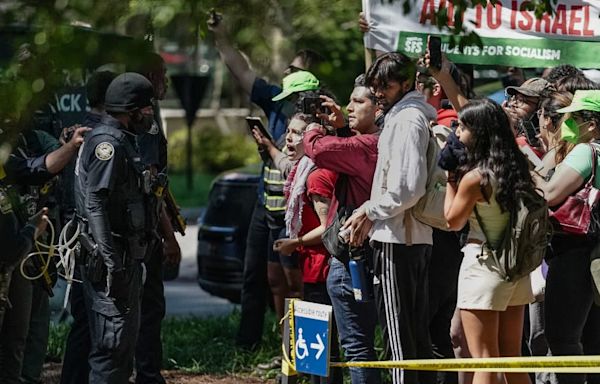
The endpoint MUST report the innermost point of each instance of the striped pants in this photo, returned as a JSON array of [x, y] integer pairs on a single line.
[[402, 295]]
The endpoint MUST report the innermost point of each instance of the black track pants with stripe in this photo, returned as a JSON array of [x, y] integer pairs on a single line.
[[401, 291]]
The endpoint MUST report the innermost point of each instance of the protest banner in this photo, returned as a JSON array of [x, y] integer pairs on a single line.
[[510, 35]]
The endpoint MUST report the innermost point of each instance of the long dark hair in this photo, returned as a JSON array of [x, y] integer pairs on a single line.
[[494, 150]]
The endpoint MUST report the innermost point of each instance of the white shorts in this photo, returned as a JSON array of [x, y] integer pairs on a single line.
[[480, 286]]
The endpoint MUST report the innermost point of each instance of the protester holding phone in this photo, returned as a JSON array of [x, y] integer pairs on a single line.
[[266, 221], [521, 107], [354, 158], [308, 192], [444, 72]]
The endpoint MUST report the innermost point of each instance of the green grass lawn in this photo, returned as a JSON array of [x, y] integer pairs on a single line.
[[207, 346], [195, 197], [203, 346]]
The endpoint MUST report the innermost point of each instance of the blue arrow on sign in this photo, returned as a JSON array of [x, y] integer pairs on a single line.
[[312, 329]]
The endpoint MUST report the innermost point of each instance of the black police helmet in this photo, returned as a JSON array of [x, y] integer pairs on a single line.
[[127, 92]]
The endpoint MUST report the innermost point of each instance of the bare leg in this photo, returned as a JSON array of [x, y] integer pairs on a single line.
[[459, 344], [293, 277], [481, 331], [279, 287], [510, 334]]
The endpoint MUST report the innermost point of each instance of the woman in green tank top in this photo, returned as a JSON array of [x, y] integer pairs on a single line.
[[491, 309]]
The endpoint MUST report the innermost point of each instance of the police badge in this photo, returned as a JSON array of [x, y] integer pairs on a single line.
[[154, 128], [5, 205], [104, 151]]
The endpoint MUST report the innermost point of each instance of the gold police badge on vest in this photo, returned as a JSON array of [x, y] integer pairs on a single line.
[[104, 151]]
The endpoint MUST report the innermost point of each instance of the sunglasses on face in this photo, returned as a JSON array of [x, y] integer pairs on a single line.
[[291, 69], [521, 101]]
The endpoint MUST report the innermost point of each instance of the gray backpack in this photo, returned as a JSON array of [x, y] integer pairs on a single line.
[[525, 240], [430, 208]]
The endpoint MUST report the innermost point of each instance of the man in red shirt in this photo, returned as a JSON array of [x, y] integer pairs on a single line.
[[354, 157]]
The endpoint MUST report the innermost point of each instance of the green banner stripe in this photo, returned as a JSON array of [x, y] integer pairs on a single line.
[[510, 52]]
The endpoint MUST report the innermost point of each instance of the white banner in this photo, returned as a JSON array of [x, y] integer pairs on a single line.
[[508, 33]]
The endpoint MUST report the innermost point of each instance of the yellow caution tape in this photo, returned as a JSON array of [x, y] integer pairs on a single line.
[[559, 364], [288, 366]]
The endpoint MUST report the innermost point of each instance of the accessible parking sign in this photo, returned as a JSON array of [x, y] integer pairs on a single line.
[[312, 332]]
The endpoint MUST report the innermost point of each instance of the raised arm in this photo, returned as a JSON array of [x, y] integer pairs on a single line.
[[234, 60]]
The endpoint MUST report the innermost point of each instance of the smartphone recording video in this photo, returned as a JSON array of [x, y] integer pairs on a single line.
[[312, 106], [255, 122], [434, 45]]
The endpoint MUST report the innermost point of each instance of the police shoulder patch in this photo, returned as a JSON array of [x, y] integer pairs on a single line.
[[154, 128], [104, 151], [5, 205]]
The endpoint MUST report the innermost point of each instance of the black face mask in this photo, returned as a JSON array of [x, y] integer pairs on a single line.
[[139, 122]]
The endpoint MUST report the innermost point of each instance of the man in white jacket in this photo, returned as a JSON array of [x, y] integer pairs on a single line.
[[402, 244]]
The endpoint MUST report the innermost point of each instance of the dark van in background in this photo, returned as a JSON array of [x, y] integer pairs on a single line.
[[222, 232]]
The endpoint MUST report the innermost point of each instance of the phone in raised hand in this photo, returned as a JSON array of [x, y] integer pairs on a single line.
[[434, 45]]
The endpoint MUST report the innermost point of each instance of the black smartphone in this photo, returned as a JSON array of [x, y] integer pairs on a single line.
[[530, 131], [434, 45], [312, 106], [214, 18], [255, 122]]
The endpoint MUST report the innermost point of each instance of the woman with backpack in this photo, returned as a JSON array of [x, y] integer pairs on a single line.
[[482, 192], [572, 319]]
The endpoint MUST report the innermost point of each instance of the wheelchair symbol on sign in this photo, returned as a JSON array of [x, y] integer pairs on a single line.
[[301, 345]]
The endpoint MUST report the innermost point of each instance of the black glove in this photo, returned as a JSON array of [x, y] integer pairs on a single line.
[[118, 285], [453, 154]]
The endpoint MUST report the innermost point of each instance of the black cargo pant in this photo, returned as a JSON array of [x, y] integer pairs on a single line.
[[148, 351], [37, 337], [114, 327], [15, 329]]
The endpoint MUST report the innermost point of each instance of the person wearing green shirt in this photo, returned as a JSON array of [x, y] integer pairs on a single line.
[[572, 319]]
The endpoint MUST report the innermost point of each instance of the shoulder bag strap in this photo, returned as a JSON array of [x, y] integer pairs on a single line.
[[594, 160], [341, 190], [480, 221]]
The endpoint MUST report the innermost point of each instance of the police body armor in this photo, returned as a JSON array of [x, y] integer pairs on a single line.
[[127, 213]]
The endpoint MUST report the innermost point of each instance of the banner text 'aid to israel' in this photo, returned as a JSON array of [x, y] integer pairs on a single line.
[[510, 36]]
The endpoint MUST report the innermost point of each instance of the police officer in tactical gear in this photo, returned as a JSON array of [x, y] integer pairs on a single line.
[[23, 170], [110, 197], [153, 148], [75, 368]]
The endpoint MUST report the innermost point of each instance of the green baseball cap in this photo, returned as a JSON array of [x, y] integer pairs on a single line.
[[583, 101], [297, 82]]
